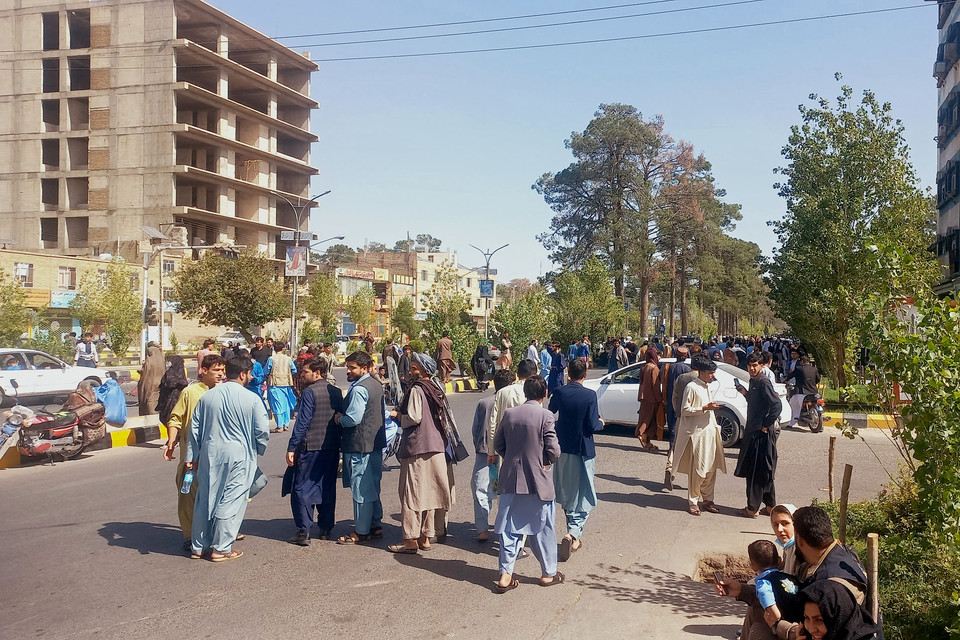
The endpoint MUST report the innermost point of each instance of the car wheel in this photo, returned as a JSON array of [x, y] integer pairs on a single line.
[[730, 430], [95, 380]]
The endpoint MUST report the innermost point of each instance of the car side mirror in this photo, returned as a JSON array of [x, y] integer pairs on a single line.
[[605, 381]]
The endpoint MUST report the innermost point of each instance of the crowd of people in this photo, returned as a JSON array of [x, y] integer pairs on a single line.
[[533, 451]]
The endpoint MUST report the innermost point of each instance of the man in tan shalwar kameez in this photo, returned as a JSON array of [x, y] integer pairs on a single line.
[[699, 446]]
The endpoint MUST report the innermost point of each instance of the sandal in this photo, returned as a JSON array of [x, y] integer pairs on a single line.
[[746, 513], [274, 430], [694, 511], [577, 545], [557, 579], [399, 548], [222, 557], [376, 532], [353, 538], [513, 585], [566, 548], [711, 507], [240, 537]]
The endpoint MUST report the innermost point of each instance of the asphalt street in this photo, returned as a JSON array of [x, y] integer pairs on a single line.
[[91, 549]]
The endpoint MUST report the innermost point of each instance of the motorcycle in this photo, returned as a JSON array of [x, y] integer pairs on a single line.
[[60, 435], [811, 413]]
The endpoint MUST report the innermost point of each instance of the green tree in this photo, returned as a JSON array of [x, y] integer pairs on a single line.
[[240, 292], [13, 311], [849, 185], [324, 301], [404, 245], [445, 298], [525, 315], [404, 318], [426, 240], [584, 302], [337, 254], [106, 298], [359, 307]]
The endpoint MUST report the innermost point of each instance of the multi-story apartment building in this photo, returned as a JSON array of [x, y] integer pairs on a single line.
[[120, 113], [947, 72]]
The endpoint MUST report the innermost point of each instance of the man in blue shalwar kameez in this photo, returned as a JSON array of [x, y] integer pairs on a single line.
[[364, 437], [228, 430], [578, 417], [313, 454], [279, 371]]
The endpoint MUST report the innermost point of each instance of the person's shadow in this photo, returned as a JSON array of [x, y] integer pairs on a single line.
[[144, 537]]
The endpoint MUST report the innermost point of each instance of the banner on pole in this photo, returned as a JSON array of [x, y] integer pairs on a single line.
[[296, 262], [486, 288]]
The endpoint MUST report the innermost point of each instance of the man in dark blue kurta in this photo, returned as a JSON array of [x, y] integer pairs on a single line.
[[578, 417], [313, 454]]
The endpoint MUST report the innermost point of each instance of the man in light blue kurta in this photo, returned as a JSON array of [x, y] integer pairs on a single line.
[[229, 429], [546, 360]]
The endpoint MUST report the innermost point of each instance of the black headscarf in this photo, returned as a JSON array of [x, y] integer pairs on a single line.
[[174, 380], [843, 617]]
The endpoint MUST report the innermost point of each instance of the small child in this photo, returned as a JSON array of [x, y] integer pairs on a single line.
[[777, 592]]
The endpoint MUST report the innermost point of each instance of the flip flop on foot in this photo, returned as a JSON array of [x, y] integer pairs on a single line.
[[694, 511], [746, 513], [557, 579], [513, 585], [376, 532], [353, 538], [577, 545], [711, 507], [222, 557]]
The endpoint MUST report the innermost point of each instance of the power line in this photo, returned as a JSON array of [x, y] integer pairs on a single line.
[[477, 21], [544, 45], [625, 38], [533, 26]]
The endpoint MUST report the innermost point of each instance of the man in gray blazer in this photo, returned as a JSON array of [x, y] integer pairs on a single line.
[[527, 442]]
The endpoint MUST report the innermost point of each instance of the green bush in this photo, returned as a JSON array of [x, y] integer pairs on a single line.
[[919, 578], [418, 345]]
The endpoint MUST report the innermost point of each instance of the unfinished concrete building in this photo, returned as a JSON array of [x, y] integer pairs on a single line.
[[121, 113]]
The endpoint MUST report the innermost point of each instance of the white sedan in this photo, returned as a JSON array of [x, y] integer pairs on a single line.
[[39, 374], [617, 394]]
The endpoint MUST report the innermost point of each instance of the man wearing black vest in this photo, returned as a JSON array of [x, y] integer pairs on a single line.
[[364, 436], [313, 453]]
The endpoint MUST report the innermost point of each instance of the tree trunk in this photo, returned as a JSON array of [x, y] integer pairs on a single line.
[[683, 296], [673, 292], [644, 304]]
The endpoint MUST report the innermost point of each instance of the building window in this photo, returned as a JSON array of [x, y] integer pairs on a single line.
[[135, 282], [168, 266], [167, 294], [23, 272], [51, 31], [469, 282], [49, 233], [430, 258], [67, 278], [102, 277], [423, 275]]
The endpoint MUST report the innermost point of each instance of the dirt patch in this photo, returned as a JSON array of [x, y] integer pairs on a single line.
[[733, 567]]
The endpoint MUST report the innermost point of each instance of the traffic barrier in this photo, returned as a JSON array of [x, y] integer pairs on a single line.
[[859, 420]]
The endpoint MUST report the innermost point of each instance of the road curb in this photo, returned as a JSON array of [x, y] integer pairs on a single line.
[[122, 437], [859, 420], [458, 386]]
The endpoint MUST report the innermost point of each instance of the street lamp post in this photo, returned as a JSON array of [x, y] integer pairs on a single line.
[[486, 310], [297, 214]]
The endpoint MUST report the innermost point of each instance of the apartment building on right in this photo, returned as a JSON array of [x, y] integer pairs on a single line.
[[947, 72]]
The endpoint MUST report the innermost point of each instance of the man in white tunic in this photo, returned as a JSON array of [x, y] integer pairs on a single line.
[[699, 445]]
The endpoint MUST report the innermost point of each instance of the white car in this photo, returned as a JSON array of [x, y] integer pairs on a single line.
[[617, 394], [40, 374], [231, 338]]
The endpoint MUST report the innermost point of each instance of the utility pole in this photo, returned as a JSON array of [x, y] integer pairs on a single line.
[[298, 210], [486, 311]]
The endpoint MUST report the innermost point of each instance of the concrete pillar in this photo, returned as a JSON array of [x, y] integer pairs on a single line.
[[272, 67]]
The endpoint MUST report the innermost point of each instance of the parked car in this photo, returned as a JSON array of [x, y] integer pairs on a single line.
[[617, 394], [234, 338], [40, 374]]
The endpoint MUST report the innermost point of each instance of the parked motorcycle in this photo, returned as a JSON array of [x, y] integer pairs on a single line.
[[60, 435]]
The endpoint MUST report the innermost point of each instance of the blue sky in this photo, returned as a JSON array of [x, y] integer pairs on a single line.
[[449, 145]]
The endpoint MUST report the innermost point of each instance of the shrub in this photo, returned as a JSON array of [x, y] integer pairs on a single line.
[[418, 345], [919, 577]]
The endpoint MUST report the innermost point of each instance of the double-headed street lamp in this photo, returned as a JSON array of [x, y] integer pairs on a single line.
[[298, 210], [486, 311]]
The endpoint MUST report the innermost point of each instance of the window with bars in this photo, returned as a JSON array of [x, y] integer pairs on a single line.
[[23, 272], [67, 278], [168, 266]]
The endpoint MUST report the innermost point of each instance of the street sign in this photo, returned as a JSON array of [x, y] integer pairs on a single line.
[[287, 235], [486, 288], [296, 262]]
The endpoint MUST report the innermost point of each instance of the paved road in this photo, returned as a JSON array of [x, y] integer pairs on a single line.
[[91, 549]]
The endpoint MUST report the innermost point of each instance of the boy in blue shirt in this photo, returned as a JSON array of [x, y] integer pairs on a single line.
[[778, 594]]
